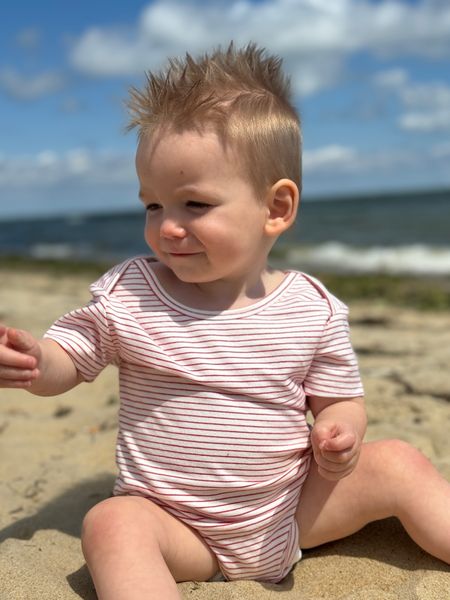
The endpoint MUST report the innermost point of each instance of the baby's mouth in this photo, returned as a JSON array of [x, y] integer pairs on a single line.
[[181, 254]]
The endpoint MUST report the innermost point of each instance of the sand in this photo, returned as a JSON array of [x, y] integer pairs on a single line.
[[58, 460]]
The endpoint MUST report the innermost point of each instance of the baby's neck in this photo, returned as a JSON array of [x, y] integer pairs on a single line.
[[218, 295]]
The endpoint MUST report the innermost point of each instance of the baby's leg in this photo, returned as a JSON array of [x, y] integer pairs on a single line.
[[391, 479], [134, 549]]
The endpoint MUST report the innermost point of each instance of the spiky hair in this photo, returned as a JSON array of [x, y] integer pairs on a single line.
[[243, 94]]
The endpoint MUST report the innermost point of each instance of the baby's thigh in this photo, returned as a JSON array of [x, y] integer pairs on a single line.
[[330, 510], [141, 526]]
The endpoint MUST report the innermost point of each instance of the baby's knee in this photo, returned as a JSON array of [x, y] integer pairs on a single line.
[[399, 452], [98, 524], [399, 461], [112, 521]]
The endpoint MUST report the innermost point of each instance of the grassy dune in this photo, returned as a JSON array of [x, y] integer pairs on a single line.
[[413, 292]]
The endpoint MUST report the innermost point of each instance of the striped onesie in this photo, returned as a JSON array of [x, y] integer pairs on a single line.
[[212, 420]]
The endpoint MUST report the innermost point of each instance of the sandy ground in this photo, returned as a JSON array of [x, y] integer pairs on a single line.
[[58, 460]]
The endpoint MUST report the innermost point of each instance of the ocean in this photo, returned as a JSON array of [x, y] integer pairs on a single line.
[[406, 233]]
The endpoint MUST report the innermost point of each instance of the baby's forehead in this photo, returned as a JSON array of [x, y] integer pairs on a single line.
[[198, 158], [190, 146]]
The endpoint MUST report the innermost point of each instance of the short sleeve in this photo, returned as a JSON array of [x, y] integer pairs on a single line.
[[86, 335], [334, 369]]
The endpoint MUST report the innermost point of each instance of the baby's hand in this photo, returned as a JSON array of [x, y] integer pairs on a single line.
[[20, 354], [336, 448]]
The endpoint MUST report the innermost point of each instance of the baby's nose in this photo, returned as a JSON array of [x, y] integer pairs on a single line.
[[172, 228]]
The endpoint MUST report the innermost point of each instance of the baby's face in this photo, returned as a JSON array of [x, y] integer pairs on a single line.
[[204, 220]]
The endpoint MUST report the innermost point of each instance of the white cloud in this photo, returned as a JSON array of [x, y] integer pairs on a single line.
[[424, 95], [332, 160], [328, 158], [110, 53], [82, 166], [421, 121], [23, 87], [314, 36], [391, 79], [338, 170], [47, 168], [83, 180], [426, 105], [403, 28]]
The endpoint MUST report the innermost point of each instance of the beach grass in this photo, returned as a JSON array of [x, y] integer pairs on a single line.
[[420, 293], [53, 267]]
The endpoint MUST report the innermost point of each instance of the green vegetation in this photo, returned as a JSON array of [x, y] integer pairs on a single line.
[[53, 267], [414, 292]]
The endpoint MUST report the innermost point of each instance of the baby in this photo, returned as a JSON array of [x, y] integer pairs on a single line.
[[220, 357]]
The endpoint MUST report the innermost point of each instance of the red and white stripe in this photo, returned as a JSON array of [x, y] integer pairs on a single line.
[[212, 421]]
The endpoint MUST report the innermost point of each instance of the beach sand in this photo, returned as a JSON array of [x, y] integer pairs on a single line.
[[58, 460]]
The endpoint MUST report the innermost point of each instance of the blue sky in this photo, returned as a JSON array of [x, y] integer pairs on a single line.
[[371, 81]]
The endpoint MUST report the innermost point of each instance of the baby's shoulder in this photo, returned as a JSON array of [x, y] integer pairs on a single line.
[[311, 290], [134, 269]]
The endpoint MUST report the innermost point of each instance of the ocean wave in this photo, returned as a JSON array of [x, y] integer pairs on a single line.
[[81, 251], [331, 257], [61, 251], [417, 259]]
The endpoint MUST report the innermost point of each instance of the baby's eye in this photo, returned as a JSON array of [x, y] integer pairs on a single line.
[[152, 207], [196, 204]]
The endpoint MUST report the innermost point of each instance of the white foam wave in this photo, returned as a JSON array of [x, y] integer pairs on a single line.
[[61, 251], [402, 260], [332, 257]]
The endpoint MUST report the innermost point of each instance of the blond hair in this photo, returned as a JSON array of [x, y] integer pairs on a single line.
[[242, 94]]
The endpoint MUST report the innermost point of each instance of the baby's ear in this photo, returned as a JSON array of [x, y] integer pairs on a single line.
[[282, 203]]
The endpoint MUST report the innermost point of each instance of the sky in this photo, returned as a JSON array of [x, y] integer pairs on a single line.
[[371, 80]]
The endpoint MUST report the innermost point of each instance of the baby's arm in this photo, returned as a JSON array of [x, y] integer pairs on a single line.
[[40, 366], [337, 434]]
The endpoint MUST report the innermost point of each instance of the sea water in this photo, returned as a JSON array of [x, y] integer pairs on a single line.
[[405, 233]]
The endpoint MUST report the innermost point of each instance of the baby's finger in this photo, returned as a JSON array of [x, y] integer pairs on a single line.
[[11, 374], [12, 358], [340, 443], [20, 340], [337, 458], [15, 384]]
